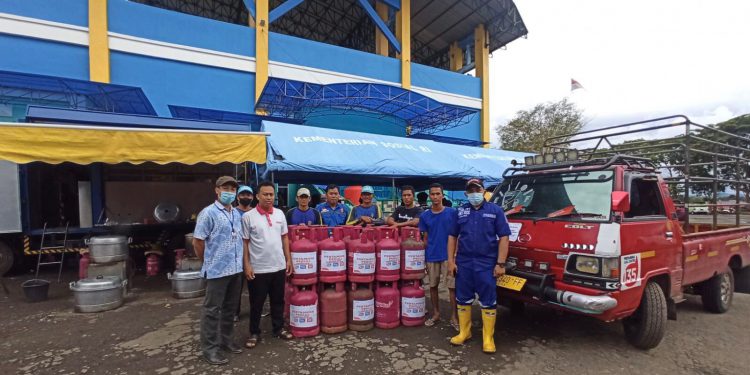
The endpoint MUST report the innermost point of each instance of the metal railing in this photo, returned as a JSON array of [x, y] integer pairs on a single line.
[[682, 155]]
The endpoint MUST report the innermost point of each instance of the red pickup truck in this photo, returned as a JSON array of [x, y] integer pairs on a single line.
[[597, 233]]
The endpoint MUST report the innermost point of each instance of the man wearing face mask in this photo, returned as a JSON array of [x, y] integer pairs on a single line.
[[244, 202], [217, 240], [481, 231]]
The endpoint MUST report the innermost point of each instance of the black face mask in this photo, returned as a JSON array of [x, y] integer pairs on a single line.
[[245, 201]]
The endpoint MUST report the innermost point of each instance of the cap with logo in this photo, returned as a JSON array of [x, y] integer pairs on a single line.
[[367, 189], [245, 189], [226, 180], [303, 191], [475, 182]]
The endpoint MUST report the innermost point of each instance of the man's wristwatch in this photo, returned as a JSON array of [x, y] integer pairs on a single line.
[[502, 265]]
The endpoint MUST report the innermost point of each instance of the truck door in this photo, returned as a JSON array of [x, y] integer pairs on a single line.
[[647, 230]]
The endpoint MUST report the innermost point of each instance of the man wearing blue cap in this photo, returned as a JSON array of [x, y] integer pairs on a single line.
[[367, 212], [481, 231], [244, 204]]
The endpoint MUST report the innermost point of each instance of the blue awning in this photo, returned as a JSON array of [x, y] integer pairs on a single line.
[[298, 153], [298, 100], [205, 114], [72, 93], [451, 140]]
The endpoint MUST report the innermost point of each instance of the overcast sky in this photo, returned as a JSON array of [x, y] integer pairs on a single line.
[[636, 59]]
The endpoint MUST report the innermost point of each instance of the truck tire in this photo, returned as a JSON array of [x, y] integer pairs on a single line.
[[645, 328], [742, 280], [6, 258], [717, 292]]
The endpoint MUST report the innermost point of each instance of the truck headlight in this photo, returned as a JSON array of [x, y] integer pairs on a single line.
[[588, 265]]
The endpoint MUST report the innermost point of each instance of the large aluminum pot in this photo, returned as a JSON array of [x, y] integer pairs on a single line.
[[189, 249], [187, 284], [108, 248], [97, 294]]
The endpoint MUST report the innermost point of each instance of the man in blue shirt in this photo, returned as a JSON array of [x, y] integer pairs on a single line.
[[481, 232], [303, 214], [436, 223], [367, 212], [218, 241], [332, 212]]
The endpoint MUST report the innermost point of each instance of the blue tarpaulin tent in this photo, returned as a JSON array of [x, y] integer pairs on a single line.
[[298, 153]]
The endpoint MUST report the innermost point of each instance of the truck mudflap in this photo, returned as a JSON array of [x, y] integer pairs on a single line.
[[541, 287]]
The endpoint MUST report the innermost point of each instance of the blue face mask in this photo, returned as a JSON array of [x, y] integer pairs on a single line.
[[227, 197], [475, 198]]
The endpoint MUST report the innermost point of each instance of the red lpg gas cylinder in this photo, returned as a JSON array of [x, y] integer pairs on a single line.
[[387, 255], [303, 312], [351, 233], [289, 289], [412, 303], [304, 253], [83, 266], [152, 265], [412, 254], [361, 307], [331, 255], [387, 305], [361, 258], [333, 308], [179, 255]]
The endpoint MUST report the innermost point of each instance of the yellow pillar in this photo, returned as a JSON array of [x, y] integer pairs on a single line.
[[381, 42], [261, 47], [98, 42], [403, 33], [456, 57], [482, 61]]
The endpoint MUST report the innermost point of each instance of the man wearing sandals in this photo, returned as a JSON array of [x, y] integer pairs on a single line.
[[436, 223], [267, 262], [217, 241]]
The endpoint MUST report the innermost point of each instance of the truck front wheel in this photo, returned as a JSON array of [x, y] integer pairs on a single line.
[[717, 292], [645, 328], [6, 258]]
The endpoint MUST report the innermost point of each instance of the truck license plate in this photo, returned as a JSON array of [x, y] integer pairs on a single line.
[[511, 282]]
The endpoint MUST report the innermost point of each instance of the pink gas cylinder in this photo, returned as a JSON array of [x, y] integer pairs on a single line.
[[288, 291], [387, 305], [412, 254], [303, 312], [412, 303], [387, 255], [331, 255], [361, 258], [152, 265], [333, 308], [351, 233], [83, 266], [304, 253], [361, 307], [179, 255]]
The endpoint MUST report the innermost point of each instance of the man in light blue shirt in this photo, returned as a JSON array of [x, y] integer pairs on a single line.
[[218, 241]]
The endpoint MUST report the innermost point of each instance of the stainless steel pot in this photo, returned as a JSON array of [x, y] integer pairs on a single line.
[[97, 294], [187, 284], [108, 248], [189, 249]]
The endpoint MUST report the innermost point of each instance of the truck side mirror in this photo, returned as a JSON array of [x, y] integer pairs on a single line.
[[620, 201]]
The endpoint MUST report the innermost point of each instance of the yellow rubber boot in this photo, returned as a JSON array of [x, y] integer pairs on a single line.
[[464, 325], [489, 316]]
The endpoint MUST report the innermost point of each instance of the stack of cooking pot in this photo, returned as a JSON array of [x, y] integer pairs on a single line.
[[187, 280], [108, 272]]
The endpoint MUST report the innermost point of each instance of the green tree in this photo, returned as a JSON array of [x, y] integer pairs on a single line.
[[528, 130]]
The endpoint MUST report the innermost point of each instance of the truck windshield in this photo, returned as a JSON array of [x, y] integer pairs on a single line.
[[535, 197]]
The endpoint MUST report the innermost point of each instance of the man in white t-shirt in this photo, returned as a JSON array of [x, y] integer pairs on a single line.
[[267, 262]]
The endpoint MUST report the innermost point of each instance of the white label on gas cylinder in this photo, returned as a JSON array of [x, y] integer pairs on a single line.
[[364, 263], [363, 310], [333, 260], [390, 260], [412, 307], [414, 260], [303, 316], [304, 263]]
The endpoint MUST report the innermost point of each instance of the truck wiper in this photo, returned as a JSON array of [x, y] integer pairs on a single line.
[[567, 211]]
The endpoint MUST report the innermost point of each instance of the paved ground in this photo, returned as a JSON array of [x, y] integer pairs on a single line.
[[156, 334]]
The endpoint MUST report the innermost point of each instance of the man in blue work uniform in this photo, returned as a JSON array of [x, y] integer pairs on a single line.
[[367, 212], [332, 212], [303, 214], [481, 231], [218, 241]]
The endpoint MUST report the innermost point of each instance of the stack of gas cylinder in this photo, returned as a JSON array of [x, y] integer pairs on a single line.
[[354, 278]]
